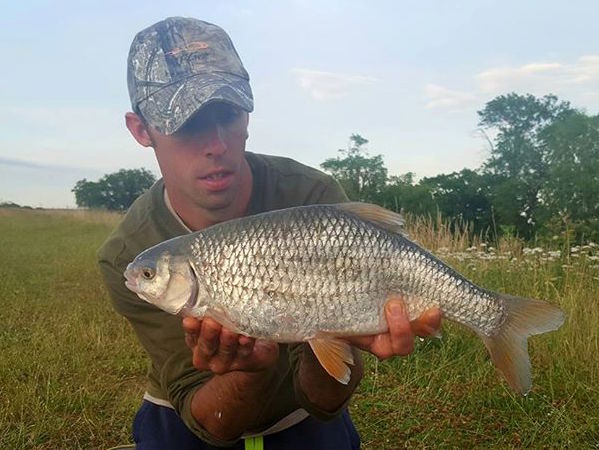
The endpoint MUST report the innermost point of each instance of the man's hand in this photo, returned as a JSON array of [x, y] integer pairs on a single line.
[[399, 340], [220, 350], [245, 378]]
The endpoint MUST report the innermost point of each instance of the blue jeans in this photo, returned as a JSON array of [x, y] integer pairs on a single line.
[[159, 428]]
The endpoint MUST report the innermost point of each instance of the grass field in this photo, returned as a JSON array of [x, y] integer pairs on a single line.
[[72, 373]]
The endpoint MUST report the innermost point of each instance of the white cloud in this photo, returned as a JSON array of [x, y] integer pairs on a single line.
[[587, 70], [324, 86], [520, 78], [442, 97], [577, 82]]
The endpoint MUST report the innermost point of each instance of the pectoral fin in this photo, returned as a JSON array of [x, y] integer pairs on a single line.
[[334, 356]]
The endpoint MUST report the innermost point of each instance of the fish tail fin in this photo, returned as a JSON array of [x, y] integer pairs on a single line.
[[508, 348]]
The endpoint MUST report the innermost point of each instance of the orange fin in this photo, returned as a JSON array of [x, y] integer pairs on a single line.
[[334, 356], [388, 220], [508, 348]]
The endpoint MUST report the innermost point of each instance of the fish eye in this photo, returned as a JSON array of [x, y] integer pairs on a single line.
[[148, 273]]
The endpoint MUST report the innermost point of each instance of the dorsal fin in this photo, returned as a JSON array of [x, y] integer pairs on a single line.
[[378, 215]]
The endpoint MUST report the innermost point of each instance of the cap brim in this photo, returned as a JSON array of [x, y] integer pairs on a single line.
[[168, 109]]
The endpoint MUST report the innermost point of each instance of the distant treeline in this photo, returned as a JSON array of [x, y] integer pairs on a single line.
[[10, 204], [114, 191], [540, 182]]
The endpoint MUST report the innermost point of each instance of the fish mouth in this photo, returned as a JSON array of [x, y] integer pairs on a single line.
[[132, 285], [130, 279]]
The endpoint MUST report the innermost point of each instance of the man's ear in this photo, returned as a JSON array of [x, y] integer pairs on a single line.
[[138, 130]]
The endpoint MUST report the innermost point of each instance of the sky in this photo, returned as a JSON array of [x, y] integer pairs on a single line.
[[408, 76]]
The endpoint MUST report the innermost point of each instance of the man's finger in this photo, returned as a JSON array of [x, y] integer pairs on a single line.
[[191, 340], [227, 345], [381, 346], [428, 324], [400, 331], [246, 346], [209, 337], [265, 353], [192, 325]]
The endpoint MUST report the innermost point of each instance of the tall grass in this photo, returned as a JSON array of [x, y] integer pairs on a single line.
[[447, 394], [72, 373]]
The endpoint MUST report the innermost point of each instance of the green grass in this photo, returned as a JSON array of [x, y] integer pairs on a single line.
[[72, 373]]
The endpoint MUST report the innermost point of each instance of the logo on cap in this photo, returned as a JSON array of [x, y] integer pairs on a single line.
[[189, 48]]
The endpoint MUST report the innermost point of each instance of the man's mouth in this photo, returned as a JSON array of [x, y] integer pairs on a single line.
[[216, 176], [217, 181]]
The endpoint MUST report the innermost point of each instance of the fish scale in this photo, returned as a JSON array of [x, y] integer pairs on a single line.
[[362, 274], [319, 272]]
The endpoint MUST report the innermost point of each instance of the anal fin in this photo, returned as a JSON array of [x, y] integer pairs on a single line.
[[334, 355]]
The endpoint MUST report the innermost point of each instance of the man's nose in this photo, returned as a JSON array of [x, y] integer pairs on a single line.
[[215, 144]]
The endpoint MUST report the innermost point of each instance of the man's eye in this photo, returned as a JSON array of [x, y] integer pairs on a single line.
[[193, 127], [227, 115], [220, 114]]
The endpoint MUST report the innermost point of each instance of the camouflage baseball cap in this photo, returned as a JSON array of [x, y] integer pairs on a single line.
[[178, 65]]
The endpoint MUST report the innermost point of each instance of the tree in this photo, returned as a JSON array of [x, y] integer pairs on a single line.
[[402, 193], [572, 189], [463, 196], [518, 162], [115, 191], [363, 177]]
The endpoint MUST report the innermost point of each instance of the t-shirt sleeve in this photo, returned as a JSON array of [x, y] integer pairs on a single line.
[[328, 192]]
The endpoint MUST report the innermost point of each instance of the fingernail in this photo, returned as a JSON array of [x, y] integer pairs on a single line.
[[396, 309]]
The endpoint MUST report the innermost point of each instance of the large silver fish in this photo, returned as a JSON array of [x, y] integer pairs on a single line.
[[318, 273]]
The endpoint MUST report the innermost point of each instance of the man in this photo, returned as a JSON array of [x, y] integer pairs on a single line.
[[208, 386]]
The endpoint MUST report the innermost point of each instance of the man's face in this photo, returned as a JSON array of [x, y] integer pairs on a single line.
[[203, 163]]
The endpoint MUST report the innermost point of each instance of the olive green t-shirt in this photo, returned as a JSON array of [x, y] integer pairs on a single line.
[[277, 183]]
